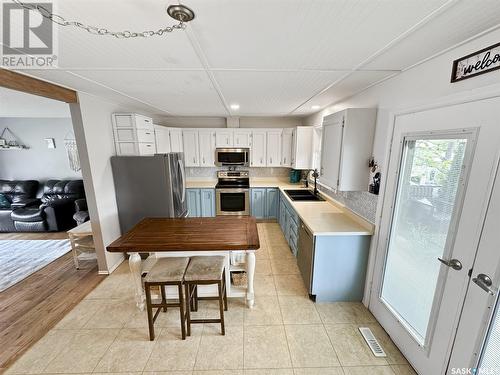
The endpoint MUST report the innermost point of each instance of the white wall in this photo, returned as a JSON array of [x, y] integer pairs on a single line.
[[38, 162], [427, 84], [94, 134], [20, 104], [421, 85]]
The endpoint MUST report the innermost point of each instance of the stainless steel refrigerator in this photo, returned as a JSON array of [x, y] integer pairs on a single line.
[[149, 186]]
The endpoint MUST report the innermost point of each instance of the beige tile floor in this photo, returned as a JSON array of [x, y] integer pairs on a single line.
[[285, 334]]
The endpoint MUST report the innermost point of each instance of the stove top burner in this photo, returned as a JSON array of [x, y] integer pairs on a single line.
[[233, 180]]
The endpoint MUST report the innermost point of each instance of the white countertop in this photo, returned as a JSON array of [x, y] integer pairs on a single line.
[[326, 218]]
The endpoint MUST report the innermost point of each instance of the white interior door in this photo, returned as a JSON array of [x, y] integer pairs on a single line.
[[477, 343], [437, 189]]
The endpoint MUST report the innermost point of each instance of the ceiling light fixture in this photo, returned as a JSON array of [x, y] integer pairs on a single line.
[[314, 107], [235, 107], [179, 12]]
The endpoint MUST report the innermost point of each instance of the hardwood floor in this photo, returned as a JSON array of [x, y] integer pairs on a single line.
[[33, 236], [33, 306]]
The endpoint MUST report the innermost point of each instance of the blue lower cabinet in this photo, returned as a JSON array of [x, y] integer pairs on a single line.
[[207, 206], [272, 203], [258, 203], [193, 202], [201, 202]]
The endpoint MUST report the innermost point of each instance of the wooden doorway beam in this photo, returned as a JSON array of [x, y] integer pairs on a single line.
[[30, 85]]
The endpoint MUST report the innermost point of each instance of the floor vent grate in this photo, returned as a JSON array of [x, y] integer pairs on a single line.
[[372, 342]]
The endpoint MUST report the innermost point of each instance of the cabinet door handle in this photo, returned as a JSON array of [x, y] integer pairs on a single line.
[[260, 160], [203, 160], [194, 160], [271, 160], [284, 160]]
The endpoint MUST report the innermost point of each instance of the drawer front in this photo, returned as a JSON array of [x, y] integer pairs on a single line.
[[142, 122], [293, 216], [146, 135], [293, 240], [125, 135], [126, 148], [147, 149], [124, 121]]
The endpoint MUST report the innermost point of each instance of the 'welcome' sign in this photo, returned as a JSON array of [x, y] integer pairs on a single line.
[[479, 62]]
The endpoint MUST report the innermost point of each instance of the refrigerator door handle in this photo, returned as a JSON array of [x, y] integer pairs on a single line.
[[181, 166]]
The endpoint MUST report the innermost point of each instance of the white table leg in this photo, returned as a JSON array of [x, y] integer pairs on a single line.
[[135, 264], [250, 274]]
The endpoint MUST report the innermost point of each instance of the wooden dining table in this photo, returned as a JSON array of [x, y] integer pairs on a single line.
[[187, 237]]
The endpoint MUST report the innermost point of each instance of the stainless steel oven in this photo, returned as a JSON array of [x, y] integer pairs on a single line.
[[232, 157], [232, 193], [232, 202]]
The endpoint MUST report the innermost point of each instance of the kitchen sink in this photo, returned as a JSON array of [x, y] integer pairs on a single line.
[[303, 195]]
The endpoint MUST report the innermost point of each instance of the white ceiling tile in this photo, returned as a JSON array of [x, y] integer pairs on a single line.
[[351, 85], [79, 84], [178, 92], [80, 50], [267, 93], [322, 34], [460, 22]]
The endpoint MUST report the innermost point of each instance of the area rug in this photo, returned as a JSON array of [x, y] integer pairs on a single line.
[[21, 258]]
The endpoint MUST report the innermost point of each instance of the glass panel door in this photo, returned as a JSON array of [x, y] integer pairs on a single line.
[[425, 210], [489, 362]]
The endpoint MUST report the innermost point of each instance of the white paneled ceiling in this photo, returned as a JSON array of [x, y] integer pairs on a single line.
[[272, 93], [273, 58]]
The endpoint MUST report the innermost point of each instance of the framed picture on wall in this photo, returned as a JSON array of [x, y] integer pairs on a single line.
[[477, 63]]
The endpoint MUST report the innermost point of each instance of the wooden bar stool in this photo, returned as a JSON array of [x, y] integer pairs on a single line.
[[166, 271], [205, 270]]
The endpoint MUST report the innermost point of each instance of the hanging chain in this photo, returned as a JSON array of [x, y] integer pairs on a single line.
[[60, 20]]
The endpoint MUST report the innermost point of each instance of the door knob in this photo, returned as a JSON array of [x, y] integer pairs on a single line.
[[452, 263], [484, 282]]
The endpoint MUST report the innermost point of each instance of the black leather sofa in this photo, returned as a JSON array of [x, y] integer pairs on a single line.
[[52, 212], [20, 194]]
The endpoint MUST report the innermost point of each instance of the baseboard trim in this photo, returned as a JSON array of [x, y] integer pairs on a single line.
[[112, 268]]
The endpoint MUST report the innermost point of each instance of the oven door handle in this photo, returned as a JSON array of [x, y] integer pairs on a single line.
[[232, 190]]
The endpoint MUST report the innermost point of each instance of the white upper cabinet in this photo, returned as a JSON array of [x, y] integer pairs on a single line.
[[191, 148], [302, 148], [162, 139], [346, 148], [286, 147], [176, 140], [207, 148], [241, 138], [224, 138], [258, 151], [274, 148]]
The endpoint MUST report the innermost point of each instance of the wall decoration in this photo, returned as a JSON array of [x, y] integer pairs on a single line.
[[72, 152], [9, 141], [50, 142], [480, 62]]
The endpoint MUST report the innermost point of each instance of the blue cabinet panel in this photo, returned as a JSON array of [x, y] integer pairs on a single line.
[[193, 202], [207, 203], [272, 203], [258, 203], [340, 264]]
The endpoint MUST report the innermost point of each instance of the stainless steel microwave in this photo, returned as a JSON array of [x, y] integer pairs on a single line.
[[232, 157]]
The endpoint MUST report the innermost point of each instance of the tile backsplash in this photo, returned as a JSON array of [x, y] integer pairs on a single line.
[[361, 203], [254, 172]]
